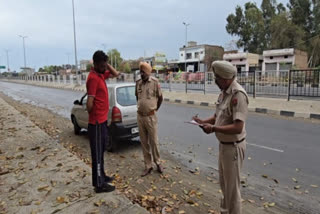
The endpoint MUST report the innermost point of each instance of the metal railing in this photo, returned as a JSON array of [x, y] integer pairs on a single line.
[[304, 83], [283, 83], [195, 81]]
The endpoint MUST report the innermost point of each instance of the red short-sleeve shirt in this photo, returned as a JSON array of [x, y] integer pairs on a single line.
[[97, 88]]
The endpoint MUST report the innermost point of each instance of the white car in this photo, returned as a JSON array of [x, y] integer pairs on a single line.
[[122, 117]]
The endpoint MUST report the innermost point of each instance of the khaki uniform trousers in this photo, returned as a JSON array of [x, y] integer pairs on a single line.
[[231, 157], [148, 130]]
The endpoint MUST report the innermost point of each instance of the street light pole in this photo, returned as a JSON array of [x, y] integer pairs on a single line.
[[7, 52], [24, 50], [185, 55], [185, 48], [74, 39]]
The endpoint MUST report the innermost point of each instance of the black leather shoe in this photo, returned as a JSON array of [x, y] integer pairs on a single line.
[[105, 188], [146, 172], [108, 179]]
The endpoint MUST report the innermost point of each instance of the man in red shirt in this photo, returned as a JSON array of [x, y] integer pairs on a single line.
[[98, 108]]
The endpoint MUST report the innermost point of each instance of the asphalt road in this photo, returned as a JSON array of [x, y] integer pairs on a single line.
[[286, 152]]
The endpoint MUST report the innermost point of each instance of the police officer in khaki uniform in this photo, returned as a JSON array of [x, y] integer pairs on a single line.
[[149, 98], [228, 123]]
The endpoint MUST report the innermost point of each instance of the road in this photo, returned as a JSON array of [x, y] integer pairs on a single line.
[[284, 151]]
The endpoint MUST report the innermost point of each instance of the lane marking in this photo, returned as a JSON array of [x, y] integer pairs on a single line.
[[265, 147]]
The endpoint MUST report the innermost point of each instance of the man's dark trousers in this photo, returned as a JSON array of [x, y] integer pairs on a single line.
[[98, 135]]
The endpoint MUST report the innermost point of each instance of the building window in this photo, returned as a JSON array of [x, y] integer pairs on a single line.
[[271, 57], [230, 60], [196, 55], [201, 52], [241, 60], [189, 55], [286, 56], [182, 54]]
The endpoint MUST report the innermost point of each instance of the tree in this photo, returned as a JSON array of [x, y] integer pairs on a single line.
[[88, 67], [249, 26], [274, 26], [115, 58], [268, 12], [285, 34], [127, 68], [52, 69], [281, 8], [301, 15], [316, 17]]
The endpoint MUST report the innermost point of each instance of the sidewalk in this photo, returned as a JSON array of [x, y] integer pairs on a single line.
[[309, 109], [38, 175], [275, 106]]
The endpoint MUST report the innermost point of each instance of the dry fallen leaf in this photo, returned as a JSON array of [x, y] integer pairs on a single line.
[[314, 186], [297, 187], [44, 188], [60, 199], [272, 204]]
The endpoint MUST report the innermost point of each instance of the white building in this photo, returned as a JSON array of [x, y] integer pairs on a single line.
[[195, 56]]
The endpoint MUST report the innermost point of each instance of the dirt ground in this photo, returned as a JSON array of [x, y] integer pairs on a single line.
[[179, 190]]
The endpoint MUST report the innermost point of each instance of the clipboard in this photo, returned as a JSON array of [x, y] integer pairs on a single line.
[[193, 122]]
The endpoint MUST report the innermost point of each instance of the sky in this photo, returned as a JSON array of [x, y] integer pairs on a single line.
[[135, 28]]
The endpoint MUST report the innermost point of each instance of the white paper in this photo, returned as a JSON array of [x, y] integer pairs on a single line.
[[193, 122]]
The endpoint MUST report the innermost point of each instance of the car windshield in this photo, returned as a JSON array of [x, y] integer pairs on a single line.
[[126, 96]]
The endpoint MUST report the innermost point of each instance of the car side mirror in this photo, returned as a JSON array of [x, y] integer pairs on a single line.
[[76, 102]]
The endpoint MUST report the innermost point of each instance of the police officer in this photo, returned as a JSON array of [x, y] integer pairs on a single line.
[[228, 123], [149, 98]]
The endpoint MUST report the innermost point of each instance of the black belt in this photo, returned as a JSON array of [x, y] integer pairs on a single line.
[[226, 143]]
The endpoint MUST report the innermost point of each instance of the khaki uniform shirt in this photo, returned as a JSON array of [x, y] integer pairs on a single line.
[[148, 94], [232, 105]]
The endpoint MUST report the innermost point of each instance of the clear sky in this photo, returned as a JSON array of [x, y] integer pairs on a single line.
[[133, 27]]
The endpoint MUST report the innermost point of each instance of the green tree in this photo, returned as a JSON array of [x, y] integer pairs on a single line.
[[268, 8], [115, 58], [316, 16], [127, 68], [301, 15], [88, 67], [285, 34], [249, 26], [281, 8]]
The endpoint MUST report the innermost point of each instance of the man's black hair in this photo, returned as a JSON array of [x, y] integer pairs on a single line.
[[99, 56]]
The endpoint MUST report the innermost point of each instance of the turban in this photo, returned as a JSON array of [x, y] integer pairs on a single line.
[[224, 69], [145, 67]]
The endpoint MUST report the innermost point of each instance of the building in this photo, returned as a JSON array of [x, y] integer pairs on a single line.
[[158, 61], [199, 57], [84, 64], [284, 59], [244, 61], [27, 71]]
